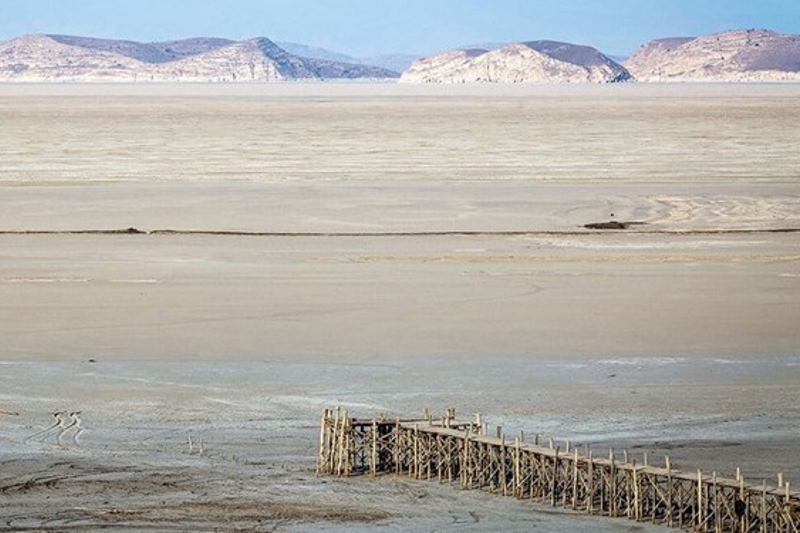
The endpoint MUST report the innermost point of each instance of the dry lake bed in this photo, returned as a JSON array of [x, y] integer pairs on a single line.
[[384, 248]]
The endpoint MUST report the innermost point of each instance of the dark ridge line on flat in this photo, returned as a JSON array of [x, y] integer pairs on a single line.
[[466, 233]]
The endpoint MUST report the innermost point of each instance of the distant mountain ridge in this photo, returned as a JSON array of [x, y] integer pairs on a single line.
[[528, 62], [156, 52], [203, 59], [734, 56], [394, 62]]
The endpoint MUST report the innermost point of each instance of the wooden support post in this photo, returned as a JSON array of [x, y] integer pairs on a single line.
[[416, 468], [334, 444], [340, 466], [575, 480], [633, 511], [348, 465], [535, 479], [322, 442], [396, 450], [590, 484], [465, 462], [744, 523], [614, 486], [517, 470], [503, 473], [715, 503], [764, 507], [554, 484], [670, 490], [373, 462], [700, 521]]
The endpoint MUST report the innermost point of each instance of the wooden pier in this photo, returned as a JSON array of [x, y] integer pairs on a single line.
[[447, 450]]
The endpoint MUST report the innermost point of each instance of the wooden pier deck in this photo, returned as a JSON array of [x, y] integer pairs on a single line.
[[447, 450]]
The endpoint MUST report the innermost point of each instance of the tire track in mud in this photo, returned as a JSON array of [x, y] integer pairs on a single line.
[[64, 423], [43, 434]]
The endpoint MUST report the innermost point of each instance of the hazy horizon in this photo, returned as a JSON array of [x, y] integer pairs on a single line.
[[361, 28]]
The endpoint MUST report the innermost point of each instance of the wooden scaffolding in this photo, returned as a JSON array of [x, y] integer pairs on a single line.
[[446, 450]]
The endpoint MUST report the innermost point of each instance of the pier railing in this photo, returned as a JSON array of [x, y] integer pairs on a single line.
[[447, 450]]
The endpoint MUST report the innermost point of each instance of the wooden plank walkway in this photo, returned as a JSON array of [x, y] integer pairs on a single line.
[[447, 450]]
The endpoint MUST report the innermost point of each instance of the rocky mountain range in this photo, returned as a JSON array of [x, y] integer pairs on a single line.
[[734, 56], [69, 58], [529, 62]]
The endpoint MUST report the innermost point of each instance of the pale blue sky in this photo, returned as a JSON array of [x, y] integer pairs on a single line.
[[367, 27]]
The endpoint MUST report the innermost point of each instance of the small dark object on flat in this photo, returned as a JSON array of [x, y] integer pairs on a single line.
[[130, 231], [92, 360], [612, 224]]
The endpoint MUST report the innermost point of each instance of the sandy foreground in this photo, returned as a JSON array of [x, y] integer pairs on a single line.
[[424, 248]]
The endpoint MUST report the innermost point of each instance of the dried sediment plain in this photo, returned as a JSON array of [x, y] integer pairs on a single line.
[[384, 248]]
